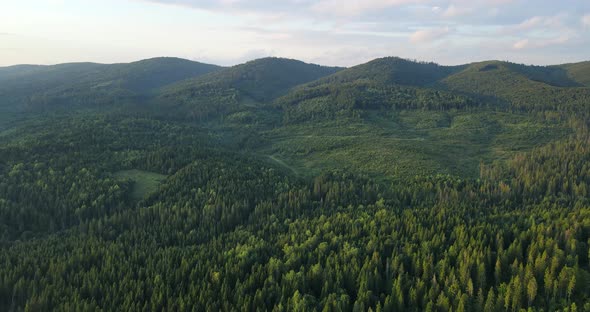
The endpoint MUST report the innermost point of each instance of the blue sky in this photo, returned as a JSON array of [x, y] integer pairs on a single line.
[[331, 32]]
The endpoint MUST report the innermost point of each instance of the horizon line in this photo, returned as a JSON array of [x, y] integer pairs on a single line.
[[293, 59]]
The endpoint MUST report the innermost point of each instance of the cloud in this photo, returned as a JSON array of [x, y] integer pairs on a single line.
[[530, 23], [429, 35], [541, 43], [541, 31], [521, 44], [260, 7], [345, 32], [553, 22], [497, 2], [454, 11], [356, 7]]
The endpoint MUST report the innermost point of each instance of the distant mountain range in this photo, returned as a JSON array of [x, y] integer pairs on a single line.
[[90, 83], [191, 87]]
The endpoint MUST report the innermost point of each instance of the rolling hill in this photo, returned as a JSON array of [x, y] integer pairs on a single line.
[[282, 186], [386, 83], [32, 87], [519, 87], [240, 87], [579, 72], [394, 117], [393, 70], [386, 117], [393, 83]]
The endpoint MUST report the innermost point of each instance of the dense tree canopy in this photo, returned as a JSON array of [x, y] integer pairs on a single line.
[[184, 205]]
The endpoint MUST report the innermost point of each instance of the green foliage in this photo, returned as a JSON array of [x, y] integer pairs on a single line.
[[579, 72], [516, 87], [238, 88], [328, 102], [400, 144], [557, 76], [231, 233], [144, 182], [393, 70], [391, 186], [88, 85]]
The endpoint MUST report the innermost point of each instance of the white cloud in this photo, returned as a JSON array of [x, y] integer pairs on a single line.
[[530, 23], [326, 31], [356, 7], [542, 24], [494, 2], [454, 11], [541, 43], [521, 44], [429, 35], [542, 21]]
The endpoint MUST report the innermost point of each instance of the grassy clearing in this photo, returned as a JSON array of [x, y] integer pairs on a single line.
[[144, 182], [408, 143]]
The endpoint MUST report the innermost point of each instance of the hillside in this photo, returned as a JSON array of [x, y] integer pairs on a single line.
[[393, 70], [518, 87], [380, 84], [393, 83], [86, 84], [579, 72], [282, 186], [377, 118], [239, 87]]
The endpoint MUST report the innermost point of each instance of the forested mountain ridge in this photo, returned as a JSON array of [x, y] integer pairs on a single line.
[[277, 185], [262, 79], [579, 72], [393, 70], [33, 87], [520, 87], [238, 88], [398, 83]]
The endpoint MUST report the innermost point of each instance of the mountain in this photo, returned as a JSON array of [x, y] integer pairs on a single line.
[[245, 85], [579, 72], [397, 117], [83, 84], [520, 87], [277, 185], [397, 83], [147, 75], [261, 79], [18, 84], [393, 70], [380, 84]]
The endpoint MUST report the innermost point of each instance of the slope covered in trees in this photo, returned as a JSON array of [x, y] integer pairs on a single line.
[[86, 84], [282, 186], [579, 72], [394, 70], [239, 87], [393, 83], [528, 89], [227, 231], [386, 83]]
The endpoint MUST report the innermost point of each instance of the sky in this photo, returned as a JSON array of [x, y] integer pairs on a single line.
[[327, 32]]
